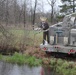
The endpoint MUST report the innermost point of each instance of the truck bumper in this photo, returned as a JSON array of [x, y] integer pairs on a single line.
[[58, 48]]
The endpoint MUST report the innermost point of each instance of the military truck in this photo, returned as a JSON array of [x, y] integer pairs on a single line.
[[62, 36]]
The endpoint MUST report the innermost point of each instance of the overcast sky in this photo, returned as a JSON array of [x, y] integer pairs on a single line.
[[47, 6]]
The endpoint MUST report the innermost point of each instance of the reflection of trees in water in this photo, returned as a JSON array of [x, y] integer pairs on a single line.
[[49, 71]]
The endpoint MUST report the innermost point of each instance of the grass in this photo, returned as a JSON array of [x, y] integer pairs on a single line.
[[31, 37], [1, 57], [20, 33], [20, 39], [23, 59]]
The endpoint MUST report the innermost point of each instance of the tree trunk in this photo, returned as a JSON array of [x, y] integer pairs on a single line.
[[24, 13], [15, 12], [73, 6], [52, 15], [7, 13], [34, 15]]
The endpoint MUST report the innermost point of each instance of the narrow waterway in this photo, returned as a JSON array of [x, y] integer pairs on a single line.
[[11, 69]]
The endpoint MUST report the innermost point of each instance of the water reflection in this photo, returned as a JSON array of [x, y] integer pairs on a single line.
[[48, 71], [10, 69]]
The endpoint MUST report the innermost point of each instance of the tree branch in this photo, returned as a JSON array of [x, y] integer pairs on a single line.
[[48, 2], [51, 2]]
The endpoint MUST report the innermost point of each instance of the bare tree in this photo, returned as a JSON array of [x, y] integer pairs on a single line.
[[15, 10], [7, 13], [52, 3], [34, 14], [31, 11], [43, 7], [40, 8], [1, 10], [24, 13]]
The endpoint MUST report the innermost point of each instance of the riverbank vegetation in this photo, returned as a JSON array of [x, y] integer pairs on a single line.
[[18, 39], [21, 59], [26, 43], [24, 59], [62, 67]]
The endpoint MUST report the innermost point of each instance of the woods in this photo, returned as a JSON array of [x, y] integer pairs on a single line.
[[69, 6], [21, 37], [19, 17], [17, 12]]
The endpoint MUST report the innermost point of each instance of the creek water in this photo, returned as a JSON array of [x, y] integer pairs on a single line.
[[11, 69]]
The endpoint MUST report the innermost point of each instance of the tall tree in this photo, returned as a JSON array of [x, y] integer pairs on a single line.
[[31, 11], [2, 9], [52, 3], [15, 10], [7, 12], [68, 6], [34, 14], [24, 13]]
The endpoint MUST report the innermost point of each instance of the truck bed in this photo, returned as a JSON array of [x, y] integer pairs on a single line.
[[58, 48]]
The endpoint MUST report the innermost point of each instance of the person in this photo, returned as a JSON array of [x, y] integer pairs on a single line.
[[44, 25]]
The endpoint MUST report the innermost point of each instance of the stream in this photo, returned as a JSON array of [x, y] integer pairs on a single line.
[[11, 69]]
